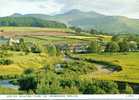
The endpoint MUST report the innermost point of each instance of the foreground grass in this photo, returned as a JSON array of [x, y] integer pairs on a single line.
[[23, 61], [129, 63], [8, 91]]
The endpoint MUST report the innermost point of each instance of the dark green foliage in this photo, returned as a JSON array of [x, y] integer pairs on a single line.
[[116, 38], [48, 83], [5, 62], [93, 31], [29, 71], [128, 89], [29, 22], [78, 67], [109, 65], [35, 49], [76, 29], [133, 46], [124, 46], [52, 50], [28, 82], [112, 47], [4, 53], [94, 47], [99, 87]]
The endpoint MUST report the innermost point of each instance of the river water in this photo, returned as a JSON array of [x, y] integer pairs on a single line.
[[7, 84]]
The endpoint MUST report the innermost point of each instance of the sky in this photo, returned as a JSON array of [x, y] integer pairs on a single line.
[[129, 8]]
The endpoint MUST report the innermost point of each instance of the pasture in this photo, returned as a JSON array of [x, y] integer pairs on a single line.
[[128, 61], [23, 61]]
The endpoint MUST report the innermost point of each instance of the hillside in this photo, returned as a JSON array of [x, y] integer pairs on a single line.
[[29, 22], [87, 20], [110, 24]]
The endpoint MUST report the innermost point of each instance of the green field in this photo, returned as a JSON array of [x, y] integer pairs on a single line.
[[33, 29], [129, 63], [22, 62]]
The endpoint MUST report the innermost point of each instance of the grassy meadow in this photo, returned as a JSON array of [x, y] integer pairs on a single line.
[[128, 61], [23, 61]]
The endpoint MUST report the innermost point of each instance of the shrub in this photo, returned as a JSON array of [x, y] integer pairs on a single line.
[[112, 47], [35, 49], [5, 62], [29, 71], [99, 87], [28, 82], [94, 47], [128, 89]]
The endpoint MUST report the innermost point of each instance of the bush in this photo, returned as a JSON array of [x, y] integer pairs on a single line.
[[35, 49], [99, 87], [94, 47], [112, 47], [29, 71], [109, 65], [78, 67], [52, 50], [128, 89], [124, 46], [28, 82], [5, 62]]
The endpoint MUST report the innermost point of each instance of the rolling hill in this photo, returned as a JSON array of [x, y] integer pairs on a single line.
[[29, 22], [88, 20]]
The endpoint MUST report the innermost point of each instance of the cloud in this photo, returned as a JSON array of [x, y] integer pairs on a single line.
[[128, 8], [8, 7]]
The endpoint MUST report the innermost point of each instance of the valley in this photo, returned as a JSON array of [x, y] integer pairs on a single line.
[[39, 54]]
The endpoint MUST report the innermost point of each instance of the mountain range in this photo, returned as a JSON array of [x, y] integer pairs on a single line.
[[88, 20]]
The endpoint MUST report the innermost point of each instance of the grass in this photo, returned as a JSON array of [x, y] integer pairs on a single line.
[[33, 29], [8, 91], [129, 63], [22, 61], [70, 39]]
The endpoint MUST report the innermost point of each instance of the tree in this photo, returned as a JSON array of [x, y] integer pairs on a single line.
[[116, 38], [94, 47], [124, 46], [112, 47], [72, 90], [49, 84], [27, 83], [52, 50], [29, 71], [133, 46], [92, 89], [128, 89], [35, 49], [78, 30], [109, 87], [99, 87], [93, 31]]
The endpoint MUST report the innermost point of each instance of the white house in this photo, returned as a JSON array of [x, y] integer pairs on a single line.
[[13, 41]]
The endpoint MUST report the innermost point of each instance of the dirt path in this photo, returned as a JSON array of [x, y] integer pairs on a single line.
[[101, 69]]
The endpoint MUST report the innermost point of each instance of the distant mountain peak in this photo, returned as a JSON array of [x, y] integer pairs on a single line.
[[16, 15], [73, 11]]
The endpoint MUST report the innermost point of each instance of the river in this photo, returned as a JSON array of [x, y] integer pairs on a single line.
[[7, 84]]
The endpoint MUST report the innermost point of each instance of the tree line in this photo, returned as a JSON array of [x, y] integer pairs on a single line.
[[29, 22], [118, 43]]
